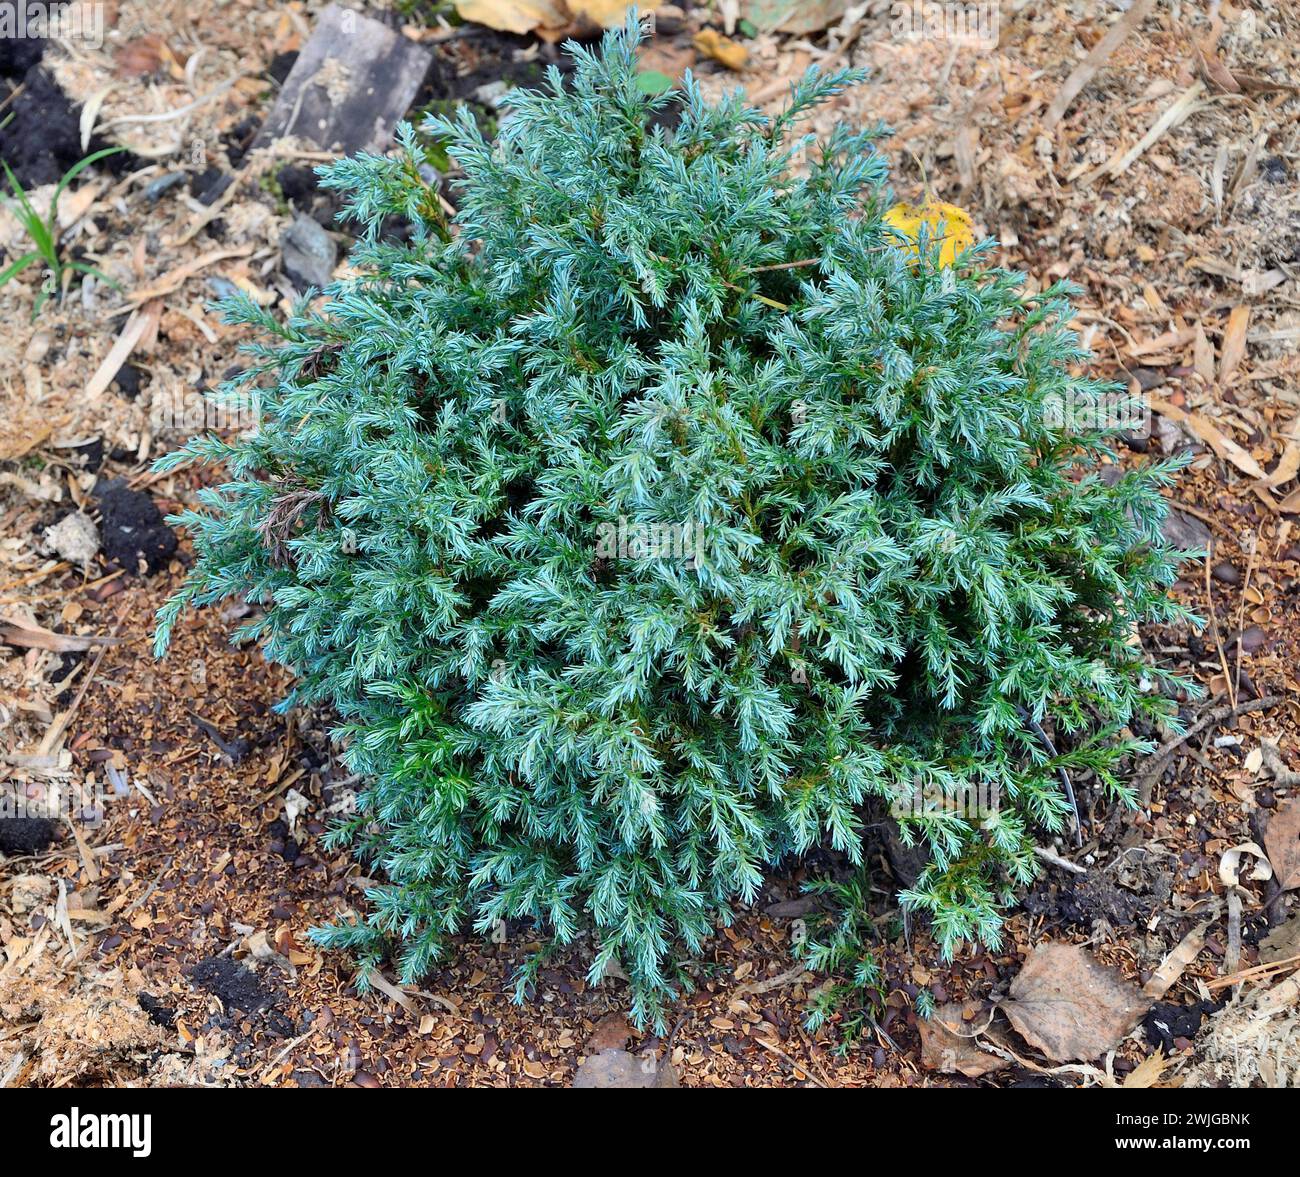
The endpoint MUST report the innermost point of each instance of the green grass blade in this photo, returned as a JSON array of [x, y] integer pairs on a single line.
[[28, 217], [82, 268], [18, 266], [72, 173]]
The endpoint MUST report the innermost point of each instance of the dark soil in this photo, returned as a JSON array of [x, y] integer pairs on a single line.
[[89, 455], [159, 1013], [26, 835], [132, 528], [231, 983], [18, 55], [127, 381], [43, 139], [1167, 1022], [40, 135]]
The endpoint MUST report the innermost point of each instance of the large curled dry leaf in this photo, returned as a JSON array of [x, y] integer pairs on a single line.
[[548, 18], [1070, 1006], [948, 1042], [1282, 841]]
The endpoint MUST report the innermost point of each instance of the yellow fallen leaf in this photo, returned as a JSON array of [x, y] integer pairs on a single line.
[[609, 14], [713, 44], [527, 16], [513, 16], [939, 221]]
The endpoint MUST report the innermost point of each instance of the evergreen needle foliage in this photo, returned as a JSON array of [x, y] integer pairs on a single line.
[[665, 515]]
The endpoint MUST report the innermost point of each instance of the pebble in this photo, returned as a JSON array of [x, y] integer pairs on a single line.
[[1252, 638], [309, 254], [1226, 573]]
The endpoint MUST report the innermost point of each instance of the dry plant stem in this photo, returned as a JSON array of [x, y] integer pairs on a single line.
[[1214, 627], [1101, 53], [1060, 772], [799, 1067], [812, 261], [1259, 972], [1241, 609], [1217, 715], [1050, 856]]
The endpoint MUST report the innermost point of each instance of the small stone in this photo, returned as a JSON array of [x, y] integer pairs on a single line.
[[1252, 639], [309, 254], [1171, 436], [1226, 573]]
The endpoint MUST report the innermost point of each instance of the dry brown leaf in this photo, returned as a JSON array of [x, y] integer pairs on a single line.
[[1288, 465], [1207, 432], [1282, 841], [1214, 71], [610, 1033], [140, 57], [14, 631], [1260, 84], [1234, 344], [514, 16], [1069, 1005], [948, 1042], [1203, 356], [713, 44], [793, 16]]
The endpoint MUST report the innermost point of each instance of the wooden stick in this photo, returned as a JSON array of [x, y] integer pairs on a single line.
[[1217, 715]]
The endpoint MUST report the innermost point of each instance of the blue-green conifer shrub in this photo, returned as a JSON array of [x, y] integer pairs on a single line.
[[659, 514]]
